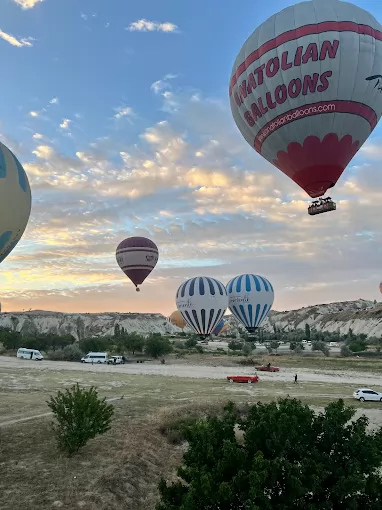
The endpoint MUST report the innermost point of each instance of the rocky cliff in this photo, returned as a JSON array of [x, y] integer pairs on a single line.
[[361, 316]]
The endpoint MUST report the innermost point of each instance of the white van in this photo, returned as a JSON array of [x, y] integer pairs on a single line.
[[95, 357], [25, 353]]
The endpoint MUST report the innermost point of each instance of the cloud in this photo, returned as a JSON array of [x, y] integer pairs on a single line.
[[163, 84], [34, 114], [37, 136], [65, 124], [27, 4], [54, 101], [123, 111], [144, 25], [19, 43]]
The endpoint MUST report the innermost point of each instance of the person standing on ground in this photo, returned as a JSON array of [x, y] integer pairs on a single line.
[[295, 379]]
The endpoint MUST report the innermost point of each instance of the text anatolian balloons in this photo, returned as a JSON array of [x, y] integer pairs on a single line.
[[202, 301], [250, 299], [15, 201], [137, 257], [306, 89]]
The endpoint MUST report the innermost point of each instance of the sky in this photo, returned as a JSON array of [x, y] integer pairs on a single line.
[[119, 113]]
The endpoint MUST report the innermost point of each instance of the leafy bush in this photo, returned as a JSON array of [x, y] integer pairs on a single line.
[[286, 457], [199, 349], [68, 353], [357, 346], [247, 348], [321, 346], [234, 345], [345, 351], [190, 343], [81, 415]]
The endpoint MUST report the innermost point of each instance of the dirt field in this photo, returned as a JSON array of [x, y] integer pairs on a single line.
[[121, 469]]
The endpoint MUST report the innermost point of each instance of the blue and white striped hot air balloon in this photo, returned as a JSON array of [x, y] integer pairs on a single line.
[[202, 301], [250, 299], [15, 201]]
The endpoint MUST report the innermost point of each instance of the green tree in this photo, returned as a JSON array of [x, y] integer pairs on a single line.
[[11, 340], [357, 346], [345, 351], [131, 343], [307, 331], [191, 343], [234, 345], [248, 348], [288, 458], [321, 346], [80, 416], [156, 346]]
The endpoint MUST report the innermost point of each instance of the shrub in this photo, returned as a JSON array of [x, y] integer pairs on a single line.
[[321, 346], [81, 415], [235, 345], [345, 351], [286, 456], [156, 346], [247, 348], [68, 353], [190, 343]]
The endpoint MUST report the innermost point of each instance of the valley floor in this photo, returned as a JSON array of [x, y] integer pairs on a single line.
[[122, 468]]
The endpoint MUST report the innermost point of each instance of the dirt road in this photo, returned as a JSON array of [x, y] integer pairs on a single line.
[[359, 379]]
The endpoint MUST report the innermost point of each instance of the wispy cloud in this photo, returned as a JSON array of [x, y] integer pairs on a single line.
[[27, 4], [144, 25], [161, 85], [54, 101], [65, 124], [34, 114], [19, 43], [123, 111], [85, 17]]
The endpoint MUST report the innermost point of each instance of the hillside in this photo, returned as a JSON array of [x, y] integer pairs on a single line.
[[361, 316]]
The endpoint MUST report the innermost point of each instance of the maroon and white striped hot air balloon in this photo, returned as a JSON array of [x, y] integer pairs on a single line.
[[137, 257]]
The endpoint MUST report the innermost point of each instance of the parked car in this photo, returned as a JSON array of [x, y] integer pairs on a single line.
[[243, 378], [364, 394], [116, 360], [268, 368], [25, 353]]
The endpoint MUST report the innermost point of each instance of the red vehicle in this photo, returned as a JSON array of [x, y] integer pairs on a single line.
[[242, 378], [268, 368]]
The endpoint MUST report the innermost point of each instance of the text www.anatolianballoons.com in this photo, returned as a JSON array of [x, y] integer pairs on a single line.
[[289, 117]]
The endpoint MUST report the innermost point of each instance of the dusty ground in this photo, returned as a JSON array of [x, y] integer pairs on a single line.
[[121, 469]]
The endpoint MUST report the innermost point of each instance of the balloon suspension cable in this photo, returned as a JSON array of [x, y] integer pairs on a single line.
[[321, 205]]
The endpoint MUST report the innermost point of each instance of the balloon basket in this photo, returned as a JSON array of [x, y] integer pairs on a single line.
[[137, 290], [321, 205]]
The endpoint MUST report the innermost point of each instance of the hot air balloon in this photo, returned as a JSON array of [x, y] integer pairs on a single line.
[[15, 201], [220, 328], [137, 257], [250, 299], [306, 91], [202, 301], [380, 287], [176, 319]]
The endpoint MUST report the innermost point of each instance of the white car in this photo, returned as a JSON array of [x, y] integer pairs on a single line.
[[367, 394]]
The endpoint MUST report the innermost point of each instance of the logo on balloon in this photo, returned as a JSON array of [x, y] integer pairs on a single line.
[[150, 258], [184, 304], [377, 77], [239, 299]]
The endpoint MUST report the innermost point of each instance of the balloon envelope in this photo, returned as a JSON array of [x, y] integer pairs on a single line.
[[15, 201], [176, 319], [380, 287], [306, 89], [202, 301], [220, 328], [250, 299], [137, 257]]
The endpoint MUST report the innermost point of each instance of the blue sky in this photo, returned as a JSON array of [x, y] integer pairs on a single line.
[[129, 130]]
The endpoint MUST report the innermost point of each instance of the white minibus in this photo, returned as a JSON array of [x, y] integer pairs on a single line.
[[25, 353], [95, 357]]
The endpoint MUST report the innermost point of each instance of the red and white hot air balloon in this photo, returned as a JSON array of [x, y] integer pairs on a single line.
[[306, 91], [137, 257]]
